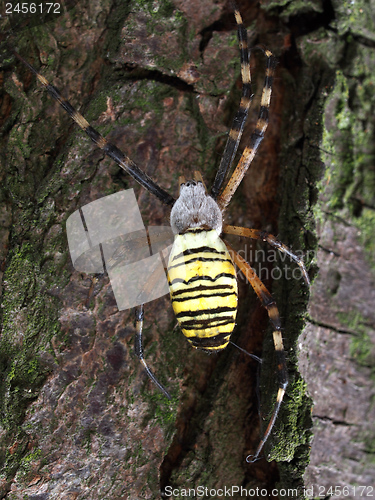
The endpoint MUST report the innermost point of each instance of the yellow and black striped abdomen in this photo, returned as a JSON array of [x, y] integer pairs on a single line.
[[203, 287]]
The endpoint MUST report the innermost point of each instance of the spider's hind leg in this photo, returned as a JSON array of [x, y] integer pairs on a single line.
[[138, 349], [257, 234], [268, 302]]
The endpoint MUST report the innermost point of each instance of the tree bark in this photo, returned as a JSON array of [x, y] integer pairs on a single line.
[[161, 80]]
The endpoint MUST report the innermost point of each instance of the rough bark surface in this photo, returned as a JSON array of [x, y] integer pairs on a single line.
[[161, 79], [340, 334]]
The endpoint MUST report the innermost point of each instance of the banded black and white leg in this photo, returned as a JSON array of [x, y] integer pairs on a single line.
[[108, 148], [138, 348], [269, 303], [257, 234], [225, 196], [240, 117], [128, 166]]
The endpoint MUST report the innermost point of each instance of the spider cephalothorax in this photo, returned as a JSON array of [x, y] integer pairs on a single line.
[[195, 208]]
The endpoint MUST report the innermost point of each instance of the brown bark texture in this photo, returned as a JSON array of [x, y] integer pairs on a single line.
[[161, 80]]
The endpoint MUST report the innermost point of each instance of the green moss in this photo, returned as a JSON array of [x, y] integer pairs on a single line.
[[148, 95], [293, 7], [27, 460], [348, 151], [157, 9], [290, 437], [354, 17], [160, 18], [151, 95], [361, 348], [162, 411], [86, 439], [366, 225], [322, 45], [29, 322], [341, 171], [207, 141], [174, 347]]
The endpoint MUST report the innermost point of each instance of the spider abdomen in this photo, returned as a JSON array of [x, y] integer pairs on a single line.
[[203, 288]]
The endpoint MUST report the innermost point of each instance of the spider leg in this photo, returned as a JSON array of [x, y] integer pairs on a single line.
[[257, 234], [268, 302], [256, 137], [239, 120], [252, 356], [138, 349], [109, 149]]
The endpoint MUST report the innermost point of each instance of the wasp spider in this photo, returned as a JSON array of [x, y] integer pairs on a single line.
[[201, 268]]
